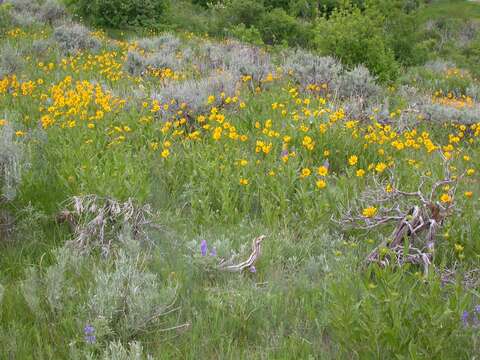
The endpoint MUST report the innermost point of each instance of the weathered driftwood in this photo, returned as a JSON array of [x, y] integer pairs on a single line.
[[97, 221], [411, 227], [418, 216], [247, 264]]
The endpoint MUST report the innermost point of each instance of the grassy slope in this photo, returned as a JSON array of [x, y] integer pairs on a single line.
[[461, 9], [310, 297]]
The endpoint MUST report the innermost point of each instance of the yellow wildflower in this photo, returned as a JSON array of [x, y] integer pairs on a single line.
[[165, 153], [352, 160], [380, 167], [369, 212], [360, 172], [445, 198], [305, 173], [321, 184], [322, 171]]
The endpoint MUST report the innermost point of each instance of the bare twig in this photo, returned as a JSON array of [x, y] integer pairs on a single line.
[[97, 221], [256, 251], [418, 217]]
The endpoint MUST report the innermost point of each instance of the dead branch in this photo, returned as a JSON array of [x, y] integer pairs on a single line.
[[418, 216], [256, 252], [98, 221]]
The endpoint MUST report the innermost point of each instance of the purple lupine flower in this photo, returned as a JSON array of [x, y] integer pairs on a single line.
[[284, 153], [465, 318], [90, 339], [89, 331], [477, 309], [203, 247], [253, 269], [326, 163], [213, 252]]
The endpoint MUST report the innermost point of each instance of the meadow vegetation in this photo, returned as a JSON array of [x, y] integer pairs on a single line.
[[145, 144]]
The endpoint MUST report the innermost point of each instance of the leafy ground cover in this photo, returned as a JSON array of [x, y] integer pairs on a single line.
[[131, 167]]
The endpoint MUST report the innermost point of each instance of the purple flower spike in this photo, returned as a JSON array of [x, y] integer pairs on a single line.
[[477, 309], [203, 247], [213, 252], [90, 339], [465, 318], [253, 269], [89, 331]]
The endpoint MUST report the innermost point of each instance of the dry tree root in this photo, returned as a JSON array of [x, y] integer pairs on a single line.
[[256, 252], [418, 216], [98, 221]]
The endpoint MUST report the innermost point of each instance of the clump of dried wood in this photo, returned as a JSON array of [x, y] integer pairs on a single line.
[[97, 222], [249, 263], [418, 216]]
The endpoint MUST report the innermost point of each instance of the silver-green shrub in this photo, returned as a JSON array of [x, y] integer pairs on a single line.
[[311, 69], [128, 297], [162, 60], [48, 293], [41, 47], [73, 38], [135, 64], [52, 12], [27, 6], [440, 113], [195, 93], [31, 12], [123, 298], [248, 61], [358, 83], [235, 58], [167, 42], [11, 61], [473, 90], [439, 66], [11, 154]]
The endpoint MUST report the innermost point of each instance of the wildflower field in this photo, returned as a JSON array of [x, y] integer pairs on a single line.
[[168, 195]]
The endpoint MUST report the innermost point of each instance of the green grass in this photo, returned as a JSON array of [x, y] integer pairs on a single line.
[[312, 295], [460, 9]]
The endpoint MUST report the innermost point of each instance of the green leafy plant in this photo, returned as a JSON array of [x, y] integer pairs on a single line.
[[117, 13], [356, 38]]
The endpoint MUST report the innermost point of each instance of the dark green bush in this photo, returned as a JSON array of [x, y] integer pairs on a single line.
[[249, 35], [400, 26], [278, 27], [306, 9], [356, 38], [309, 8], [284, 4], [188, 17], [118, 13], [205, 3], [247, 12]]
